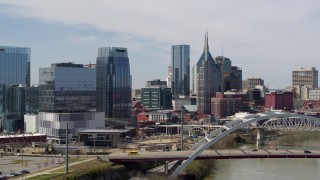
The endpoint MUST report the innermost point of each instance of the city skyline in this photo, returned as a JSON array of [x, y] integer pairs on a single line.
[[273, 35]]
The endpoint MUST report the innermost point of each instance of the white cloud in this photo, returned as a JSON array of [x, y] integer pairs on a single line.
[[256, 35], [82, 38]]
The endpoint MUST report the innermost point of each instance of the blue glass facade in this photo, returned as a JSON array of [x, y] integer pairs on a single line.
[[113, 82], [14, 65], [180, 64], [208, 78], [67, 87]]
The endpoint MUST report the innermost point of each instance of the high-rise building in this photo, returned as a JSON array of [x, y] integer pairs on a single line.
[[224, 64], [252, 82], [236, 78], [156, 95], [67, 87], [169, 78], [209, 80], [305, 77], [194, 89], [15, 101], [14, 108], [180, 66], [67, 95], [113, 82], [14, 65], [156, 98], [156, 82], [303, 80]]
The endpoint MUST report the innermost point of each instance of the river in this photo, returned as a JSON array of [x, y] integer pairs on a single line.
[[272, 169]]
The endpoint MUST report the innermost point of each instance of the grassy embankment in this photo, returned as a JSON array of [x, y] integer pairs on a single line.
[[93, 169]]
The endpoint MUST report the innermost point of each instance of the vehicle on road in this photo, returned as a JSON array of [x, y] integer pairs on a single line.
[[59, 162], [133, 153], [24, 172]]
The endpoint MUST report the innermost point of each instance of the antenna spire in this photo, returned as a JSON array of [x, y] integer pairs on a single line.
[[206, 46]]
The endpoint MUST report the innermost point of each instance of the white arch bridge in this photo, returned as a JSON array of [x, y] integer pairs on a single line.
[[268, 120]]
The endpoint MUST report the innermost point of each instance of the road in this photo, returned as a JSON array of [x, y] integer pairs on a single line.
[[10, 164], [212, 154]]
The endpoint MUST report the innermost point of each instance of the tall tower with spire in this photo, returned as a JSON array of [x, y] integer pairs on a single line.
[[208, 78]]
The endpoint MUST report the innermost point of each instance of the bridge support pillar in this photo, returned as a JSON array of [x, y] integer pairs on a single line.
[[260, 137], [166, 168]]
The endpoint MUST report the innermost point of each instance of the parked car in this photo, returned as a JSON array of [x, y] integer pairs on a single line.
[[24, 172], [59, 162]]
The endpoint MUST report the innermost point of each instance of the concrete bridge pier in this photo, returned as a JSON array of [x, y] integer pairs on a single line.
[[166, 168], [260, 137]]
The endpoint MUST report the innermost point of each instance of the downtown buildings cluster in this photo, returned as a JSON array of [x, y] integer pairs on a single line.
[[93, 96]]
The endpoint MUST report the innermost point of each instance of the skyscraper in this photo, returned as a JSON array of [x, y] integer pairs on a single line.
[[180, 64], [14, 65], [113, 82], [209, 79]]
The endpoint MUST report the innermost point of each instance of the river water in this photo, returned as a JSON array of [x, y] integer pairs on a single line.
[[273, 169]]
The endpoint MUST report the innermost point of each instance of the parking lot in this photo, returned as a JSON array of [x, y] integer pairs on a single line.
[[10, 164]]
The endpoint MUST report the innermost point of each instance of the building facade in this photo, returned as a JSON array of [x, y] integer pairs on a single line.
[[113, 82], [236, 78], [208, 78], [15, 65], [54, 124], [279, 100], [194, 84], [180, 67], [67, 87], [225, 106], [156, 98], [303, 80], [252, 82], [314, 94], [305, 77], [15, 101]]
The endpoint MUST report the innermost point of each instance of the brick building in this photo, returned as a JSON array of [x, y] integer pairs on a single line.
[[225, 105]]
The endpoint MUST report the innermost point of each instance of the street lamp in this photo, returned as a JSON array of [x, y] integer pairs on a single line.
[[182, 109]]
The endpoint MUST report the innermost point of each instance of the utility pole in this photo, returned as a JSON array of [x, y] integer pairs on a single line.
[[182, 111], [67, 134]]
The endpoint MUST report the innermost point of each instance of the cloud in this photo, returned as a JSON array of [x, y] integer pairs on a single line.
[[280, 35], [82, 38]]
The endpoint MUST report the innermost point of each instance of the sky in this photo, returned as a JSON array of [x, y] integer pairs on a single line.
[[266, 38]]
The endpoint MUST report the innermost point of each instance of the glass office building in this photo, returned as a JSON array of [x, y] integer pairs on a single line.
[[208, 80], [180, 63], [67, 87], [113, 82], [14, 65]]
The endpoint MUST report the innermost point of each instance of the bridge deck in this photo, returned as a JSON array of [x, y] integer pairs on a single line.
[[212, 154]]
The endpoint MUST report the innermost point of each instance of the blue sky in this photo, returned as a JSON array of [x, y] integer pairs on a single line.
[[267, 39]]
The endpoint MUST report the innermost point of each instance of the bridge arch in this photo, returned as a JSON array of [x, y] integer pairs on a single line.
[[193, 129], [245, 121]]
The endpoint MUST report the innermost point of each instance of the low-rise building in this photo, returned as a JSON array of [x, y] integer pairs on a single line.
[[279, 100], [54, 124]]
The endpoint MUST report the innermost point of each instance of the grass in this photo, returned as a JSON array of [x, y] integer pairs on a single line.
[[92, 168]]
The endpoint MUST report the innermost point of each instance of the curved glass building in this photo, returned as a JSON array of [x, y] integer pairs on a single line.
[[113, 82]]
